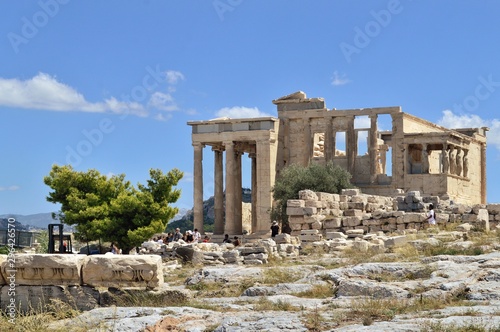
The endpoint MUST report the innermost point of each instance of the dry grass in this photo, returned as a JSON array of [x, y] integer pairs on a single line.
[[221, 289], [318, 291], [475, 326], [278, 275], [38, 319], [266, 305]]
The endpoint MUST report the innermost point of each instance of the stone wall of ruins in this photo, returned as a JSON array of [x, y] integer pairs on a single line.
[[314, 215]]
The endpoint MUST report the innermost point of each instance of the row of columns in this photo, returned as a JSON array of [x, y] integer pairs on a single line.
[[454, 160], [351, 144], [233, 179]]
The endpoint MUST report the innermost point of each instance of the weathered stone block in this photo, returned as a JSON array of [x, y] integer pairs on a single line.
[[326, 197], [296, 219], [309, 232], [469, 218], [442, 217], [45, 269], [351, 221], [314, 218], [295, 203], [395, 241], [283, 238], [316, 225], [332, 223], [311, 237], [295, 211], [351, 192], [483, 220], [335, 235], [308, 211], [122, 271], [361, 246], [356, 205], [316, 204], [30, 298], [333, 205], [353, 212], [308, 195], [493, 208]]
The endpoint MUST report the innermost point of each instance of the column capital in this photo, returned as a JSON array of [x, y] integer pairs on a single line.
[[198, 145], [218, 148]]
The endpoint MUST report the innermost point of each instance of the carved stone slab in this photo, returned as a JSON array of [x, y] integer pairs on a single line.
[[122, 271], [44, 269]]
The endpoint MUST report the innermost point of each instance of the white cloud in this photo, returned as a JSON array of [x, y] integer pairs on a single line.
[[451, 120], [173, 76], [163, 101], [339, 79], [239, 112], [44, 92], [162, 117], [10, 188]]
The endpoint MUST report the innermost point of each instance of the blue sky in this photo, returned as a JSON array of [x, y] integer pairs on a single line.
[[111, 84]]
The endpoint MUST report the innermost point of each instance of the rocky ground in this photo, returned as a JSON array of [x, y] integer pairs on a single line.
[[412, 288]]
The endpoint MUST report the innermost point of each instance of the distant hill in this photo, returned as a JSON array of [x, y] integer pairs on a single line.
[[4, 224], [33, 221], [40, 221], [186, 222]]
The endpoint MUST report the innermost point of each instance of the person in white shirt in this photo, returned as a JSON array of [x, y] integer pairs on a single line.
[[431, 216], [196, 236]]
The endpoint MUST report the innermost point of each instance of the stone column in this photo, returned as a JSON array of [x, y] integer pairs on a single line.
[[445, 159], [265, 150], [373, 147], [308, 139], [229, 226], [351, 146], [453, 161], [425, 159], [459, 161], [198, 186], [466, 163], [238, 193], [218, 192], [253, 156], [408, 159], [329, 147], [483, 173]]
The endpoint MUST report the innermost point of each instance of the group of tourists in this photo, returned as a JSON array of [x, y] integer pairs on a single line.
[[188, 237]]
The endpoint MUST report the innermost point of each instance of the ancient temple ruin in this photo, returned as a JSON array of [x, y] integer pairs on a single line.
[[413, 154]]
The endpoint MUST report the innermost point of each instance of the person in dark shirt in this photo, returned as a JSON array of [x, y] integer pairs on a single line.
[[227, 239], [275, 229]]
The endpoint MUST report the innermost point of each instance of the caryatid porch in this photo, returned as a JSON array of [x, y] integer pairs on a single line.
[[232, 138]]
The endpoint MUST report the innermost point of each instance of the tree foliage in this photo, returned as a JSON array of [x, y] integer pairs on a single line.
[[110, 208], [327, 178]]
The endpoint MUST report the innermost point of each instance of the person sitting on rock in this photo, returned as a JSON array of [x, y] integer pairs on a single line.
[[227, 239], [189, 237], [177, 236], [236, 241]]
